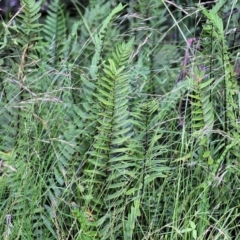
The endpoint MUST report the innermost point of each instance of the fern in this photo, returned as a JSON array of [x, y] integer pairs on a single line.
[[99, 39], [103, 168], [55, 31], [229, 81], [29, 23], [90, 146]]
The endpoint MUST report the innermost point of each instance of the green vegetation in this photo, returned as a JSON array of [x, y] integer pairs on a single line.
[[128, 129]]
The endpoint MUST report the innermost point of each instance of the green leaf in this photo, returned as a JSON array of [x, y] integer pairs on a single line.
[[206, 154]]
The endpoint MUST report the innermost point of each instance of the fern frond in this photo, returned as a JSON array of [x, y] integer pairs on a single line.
[[29, 25], [230, 85], [30, 15], [55, 31], [109, 155], [202, 112], [99, 39]]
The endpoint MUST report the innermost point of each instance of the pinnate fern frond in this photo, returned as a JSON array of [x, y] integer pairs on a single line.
[[30, 15], [29, 24], [202, 111], [99, 39], [231, 88], [107, 166], [55, 31]]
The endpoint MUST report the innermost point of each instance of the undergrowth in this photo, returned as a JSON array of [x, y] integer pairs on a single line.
[[128, 129]]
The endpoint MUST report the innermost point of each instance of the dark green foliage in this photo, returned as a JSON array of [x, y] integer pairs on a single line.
[[90, 140]]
